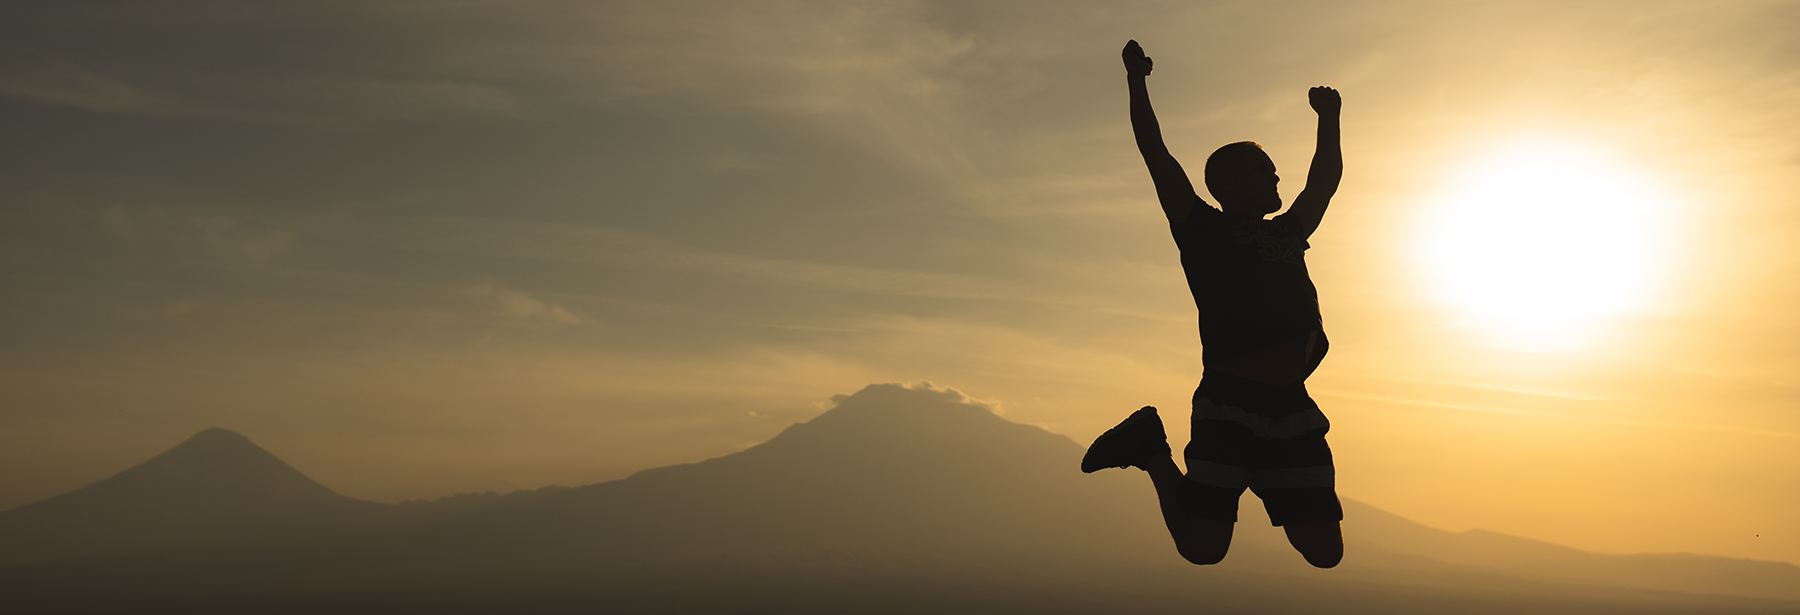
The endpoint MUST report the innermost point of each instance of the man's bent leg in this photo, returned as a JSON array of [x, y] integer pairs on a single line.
[[1199, 518], [1320, 542], [1307, 508], [1198, 539]]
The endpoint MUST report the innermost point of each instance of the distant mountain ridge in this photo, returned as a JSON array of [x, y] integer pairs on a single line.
[[893, 482], [918, 464], [215, 485]]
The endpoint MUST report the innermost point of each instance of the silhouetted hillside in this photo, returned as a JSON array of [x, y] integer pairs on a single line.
[[899, 499], [216, 485], [1377, 531], [888, 466]]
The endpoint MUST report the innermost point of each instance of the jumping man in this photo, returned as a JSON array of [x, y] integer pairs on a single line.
[[1253, 424]]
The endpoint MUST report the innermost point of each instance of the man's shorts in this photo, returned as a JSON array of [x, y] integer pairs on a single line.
[[1269, 438]]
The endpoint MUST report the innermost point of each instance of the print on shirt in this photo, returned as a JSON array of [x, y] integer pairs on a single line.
[[1269, 247]]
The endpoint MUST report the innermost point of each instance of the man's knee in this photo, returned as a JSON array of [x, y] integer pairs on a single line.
[[1324, 557], [1321, 543], [1203, 555], [1202, 541]]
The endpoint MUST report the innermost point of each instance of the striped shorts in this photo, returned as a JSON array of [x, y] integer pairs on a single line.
[[1268, 438]]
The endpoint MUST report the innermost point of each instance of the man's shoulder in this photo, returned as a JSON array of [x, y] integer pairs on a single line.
[[1202, 226], [1281, 226], [1201, 215]]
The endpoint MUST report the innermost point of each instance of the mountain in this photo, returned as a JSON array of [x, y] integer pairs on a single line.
[[1372, 529], [899, 499], [216, 486], [918, 466]]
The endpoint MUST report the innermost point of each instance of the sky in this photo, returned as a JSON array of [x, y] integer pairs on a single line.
[[421, 248]]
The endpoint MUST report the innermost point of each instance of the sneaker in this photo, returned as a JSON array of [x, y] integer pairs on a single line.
[[1139, 437]]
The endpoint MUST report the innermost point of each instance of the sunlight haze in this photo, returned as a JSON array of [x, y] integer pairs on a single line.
[[1542, 243]]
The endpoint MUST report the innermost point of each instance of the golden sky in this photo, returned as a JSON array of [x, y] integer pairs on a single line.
[[420, 248]]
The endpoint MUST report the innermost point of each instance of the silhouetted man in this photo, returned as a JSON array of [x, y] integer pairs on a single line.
[[1253, 425]]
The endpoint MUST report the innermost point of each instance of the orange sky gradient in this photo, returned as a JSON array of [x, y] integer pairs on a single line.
[[417, 249]]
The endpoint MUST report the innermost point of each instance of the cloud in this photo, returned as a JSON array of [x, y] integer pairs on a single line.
[[521, 305], [66, 84], [295, 62], [175, 233], [409, 99], [591, 245], [121, 224], [588, 245], [227, 237], [955, 395]]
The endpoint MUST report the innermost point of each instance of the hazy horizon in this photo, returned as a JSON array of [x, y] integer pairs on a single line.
[[898, 499], [418, 249]]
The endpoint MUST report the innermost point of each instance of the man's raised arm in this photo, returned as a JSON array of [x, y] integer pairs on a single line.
[[1172, 185], [1327, 165]]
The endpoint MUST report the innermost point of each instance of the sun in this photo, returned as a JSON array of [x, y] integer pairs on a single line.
[[1541, 245]]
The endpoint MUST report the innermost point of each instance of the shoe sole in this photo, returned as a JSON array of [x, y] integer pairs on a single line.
[[1135, 417]]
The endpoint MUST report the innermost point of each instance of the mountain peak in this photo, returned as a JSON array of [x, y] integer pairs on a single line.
[[217, 459], [215, 484], [217, 433], [894, 426], [218, 439], [903, 401]]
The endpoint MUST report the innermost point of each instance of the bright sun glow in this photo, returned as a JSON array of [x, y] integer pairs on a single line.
[[1539, 245]]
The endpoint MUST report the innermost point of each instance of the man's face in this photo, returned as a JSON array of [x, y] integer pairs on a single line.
[[1261, 185], [1254, 189]]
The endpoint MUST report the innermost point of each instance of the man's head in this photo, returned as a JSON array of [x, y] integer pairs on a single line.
[[1242, 178]]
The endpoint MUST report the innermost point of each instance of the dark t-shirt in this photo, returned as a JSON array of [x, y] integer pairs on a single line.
[[1249, 279]]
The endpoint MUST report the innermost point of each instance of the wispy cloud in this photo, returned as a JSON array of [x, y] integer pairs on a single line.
[[591, 245], [63, 83], [1496, 388], [521, 305], [1420, 402]]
